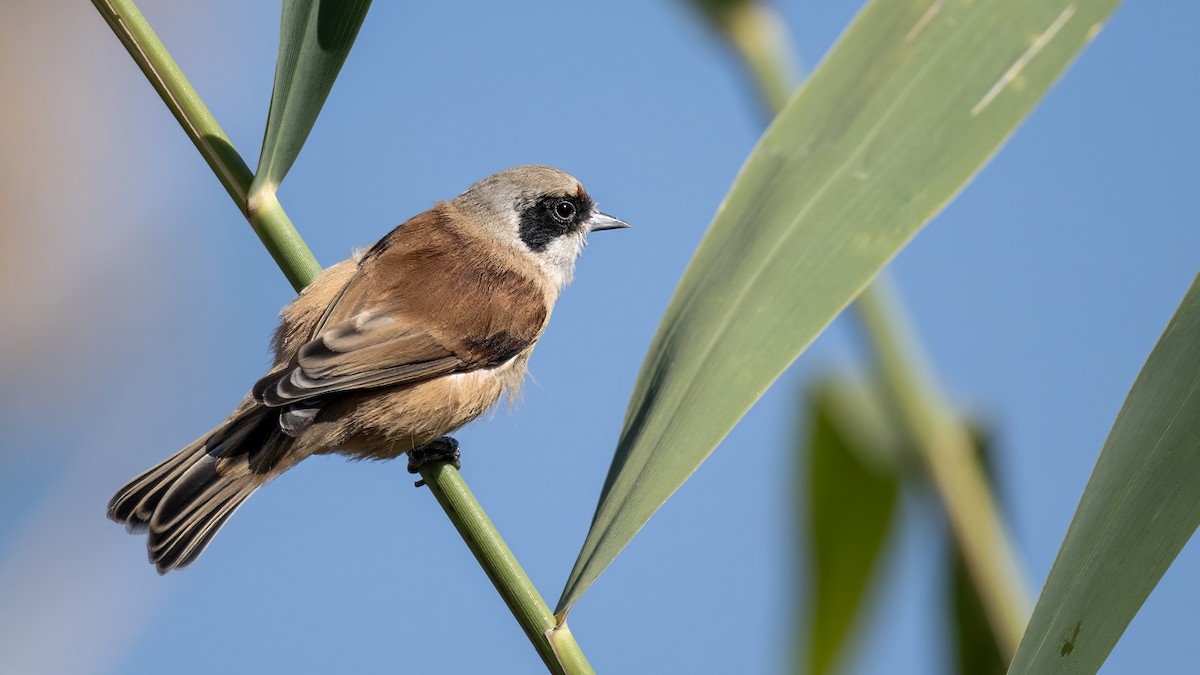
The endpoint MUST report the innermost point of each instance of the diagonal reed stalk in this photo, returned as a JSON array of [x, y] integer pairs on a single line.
[[264, 212], [553, 641]]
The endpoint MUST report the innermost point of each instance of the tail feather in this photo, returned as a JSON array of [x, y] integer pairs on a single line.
[[184, 501], [195, 507], [134, 504]]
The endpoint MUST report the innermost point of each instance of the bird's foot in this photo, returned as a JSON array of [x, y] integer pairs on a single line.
[[444, 448]]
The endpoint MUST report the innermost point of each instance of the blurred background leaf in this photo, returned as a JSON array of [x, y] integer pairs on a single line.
[[721, 12], [975, 647], [945, 444], [1139, 508], [852, 491], [315, 37], [908, 105], [973, 644]]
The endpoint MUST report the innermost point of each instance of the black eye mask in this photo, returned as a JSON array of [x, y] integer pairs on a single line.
[[552, 217]]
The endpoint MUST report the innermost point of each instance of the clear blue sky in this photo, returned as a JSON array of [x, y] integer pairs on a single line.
[[1039, 292]]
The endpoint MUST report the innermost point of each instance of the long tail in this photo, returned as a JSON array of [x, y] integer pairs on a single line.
[[182, 502]]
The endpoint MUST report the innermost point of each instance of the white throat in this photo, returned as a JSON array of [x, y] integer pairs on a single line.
[[557, 260]]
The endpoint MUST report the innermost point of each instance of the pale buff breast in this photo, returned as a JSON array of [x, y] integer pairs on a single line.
[[383, 424]]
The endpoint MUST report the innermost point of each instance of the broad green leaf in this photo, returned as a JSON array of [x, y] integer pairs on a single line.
[[852, 490], [315, 36], [909, 104], [1139, 508], [976, 647]]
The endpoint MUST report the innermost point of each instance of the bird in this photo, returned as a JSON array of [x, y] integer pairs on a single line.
[[383, 354]]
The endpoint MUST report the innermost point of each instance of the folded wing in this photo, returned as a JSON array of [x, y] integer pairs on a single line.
[[423, 304]]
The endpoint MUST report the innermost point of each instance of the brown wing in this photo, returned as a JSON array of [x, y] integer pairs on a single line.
[[426, 301]]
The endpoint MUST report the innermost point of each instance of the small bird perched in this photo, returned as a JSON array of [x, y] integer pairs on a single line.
[[383, 354]]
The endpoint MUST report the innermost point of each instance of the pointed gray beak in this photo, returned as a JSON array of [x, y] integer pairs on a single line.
[[601, 221]]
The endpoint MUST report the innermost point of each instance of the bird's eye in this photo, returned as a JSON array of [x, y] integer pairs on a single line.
[[564, 210]]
